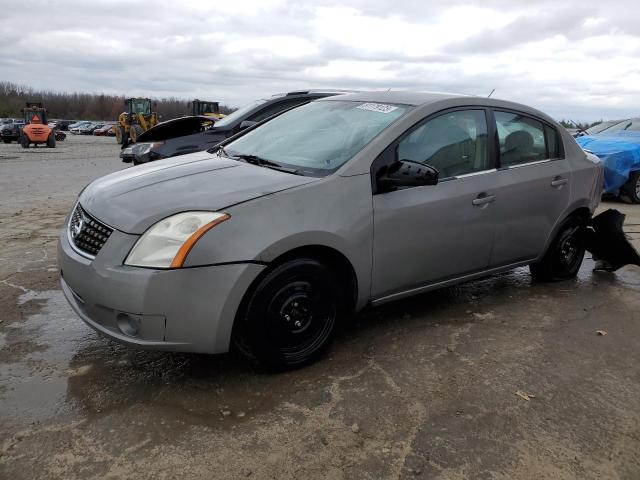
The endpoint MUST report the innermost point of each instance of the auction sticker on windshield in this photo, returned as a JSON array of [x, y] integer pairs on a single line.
[[377, 107]]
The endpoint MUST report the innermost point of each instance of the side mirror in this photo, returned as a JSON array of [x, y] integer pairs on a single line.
[[247, 124], [406, 173]]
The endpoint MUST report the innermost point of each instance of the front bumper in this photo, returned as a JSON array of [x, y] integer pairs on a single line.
[[189, 310], [127, 157]]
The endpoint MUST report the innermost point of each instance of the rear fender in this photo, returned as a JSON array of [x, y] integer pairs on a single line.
[[581, 208]]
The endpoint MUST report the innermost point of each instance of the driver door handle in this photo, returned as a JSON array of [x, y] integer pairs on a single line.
[[559, 182], [483, 199]]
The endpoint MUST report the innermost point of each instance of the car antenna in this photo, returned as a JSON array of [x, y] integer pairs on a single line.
[[489, 96]]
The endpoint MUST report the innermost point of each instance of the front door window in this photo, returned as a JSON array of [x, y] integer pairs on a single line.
[[454, 143]]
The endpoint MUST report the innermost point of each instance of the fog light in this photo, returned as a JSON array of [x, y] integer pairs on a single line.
[[128, 324]]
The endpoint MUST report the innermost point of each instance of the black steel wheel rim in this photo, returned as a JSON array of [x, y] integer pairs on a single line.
[[568, 250], [300, 317]]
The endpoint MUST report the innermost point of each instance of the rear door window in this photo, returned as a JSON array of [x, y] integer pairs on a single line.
[[521, 138]]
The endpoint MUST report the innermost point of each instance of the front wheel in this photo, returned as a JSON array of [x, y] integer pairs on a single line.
[[290, 316], [565, 254], [6, 140], [134, 132], [631, 189]]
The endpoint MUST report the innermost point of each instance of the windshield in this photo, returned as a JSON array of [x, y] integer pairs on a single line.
[[602, 126], [623, 125], [633, 126], [241, 112], [317, 138], [34, 116], [141, 105]]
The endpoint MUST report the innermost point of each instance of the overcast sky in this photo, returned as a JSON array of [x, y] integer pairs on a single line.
[[577, 59]]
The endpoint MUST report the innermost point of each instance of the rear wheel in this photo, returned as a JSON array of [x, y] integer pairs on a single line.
[[631, 189], [290, 317], [6, 140], [24, 141], [51, 140], [565, 254], [134, 132]]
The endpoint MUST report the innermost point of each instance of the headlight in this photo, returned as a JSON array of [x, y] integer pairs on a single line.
[[167, 243], [141, 149]]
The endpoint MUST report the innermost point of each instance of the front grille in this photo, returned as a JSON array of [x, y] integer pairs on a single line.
[[86, 233]]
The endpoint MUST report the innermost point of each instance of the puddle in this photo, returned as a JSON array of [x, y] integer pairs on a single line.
[[60, 367], [34, 389]]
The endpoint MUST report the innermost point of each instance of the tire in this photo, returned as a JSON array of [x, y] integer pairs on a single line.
[[51, 140], [289, 318], [134, 132], [564, 256], [121, 136], [24, 141], [6, 140], [631, 189]]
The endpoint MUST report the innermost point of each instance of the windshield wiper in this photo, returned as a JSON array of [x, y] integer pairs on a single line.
[[263, 162]]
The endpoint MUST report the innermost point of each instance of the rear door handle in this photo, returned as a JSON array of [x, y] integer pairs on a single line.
[[483, 199], [559, 182]]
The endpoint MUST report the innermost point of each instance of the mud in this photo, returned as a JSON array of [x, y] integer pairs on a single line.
[[421, 388]]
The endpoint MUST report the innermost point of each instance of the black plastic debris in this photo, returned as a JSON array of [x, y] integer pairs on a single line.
[[607, 242]]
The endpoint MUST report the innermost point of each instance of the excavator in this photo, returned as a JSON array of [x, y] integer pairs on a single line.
[[138, 117], [36, 131]]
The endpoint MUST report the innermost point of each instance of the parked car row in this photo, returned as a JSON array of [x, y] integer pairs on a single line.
[[62, 125], [10, 128], [84, 127]]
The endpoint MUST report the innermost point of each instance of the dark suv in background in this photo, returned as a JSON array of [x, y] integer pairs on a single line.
[[10, 132], [194, 134]]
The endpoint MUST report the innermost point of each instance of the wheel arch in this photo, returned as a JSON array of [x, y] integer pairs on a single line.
[[579, 210], [331, 256], [336, 260]]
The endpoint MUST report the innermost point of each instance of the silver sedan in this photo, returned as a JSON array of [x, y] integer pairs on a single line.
[[269, 240]]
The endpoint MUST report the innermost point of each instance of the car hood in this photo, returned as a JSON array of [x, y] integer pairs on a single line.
[[134, 199], [176, 127]]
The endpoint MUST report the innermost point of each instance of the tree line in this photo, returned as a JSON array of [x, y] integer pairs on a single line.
[[83, 106]]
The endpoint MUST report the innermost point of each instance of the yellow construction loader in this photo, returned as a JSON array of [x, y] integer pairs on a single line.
[[206, 108], [138, 117]]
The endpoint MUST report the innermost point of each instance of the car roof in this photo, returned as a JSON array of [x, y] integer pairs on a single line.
[[402, 97], [316, 91], [443, 100]]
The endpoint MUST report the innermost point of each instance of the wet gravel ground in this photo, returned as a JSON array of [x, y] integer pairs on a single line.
[[431, 387]]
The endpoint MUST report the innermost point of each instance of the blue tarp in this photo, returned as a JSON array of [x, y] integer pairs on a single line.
[[619, 152]]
